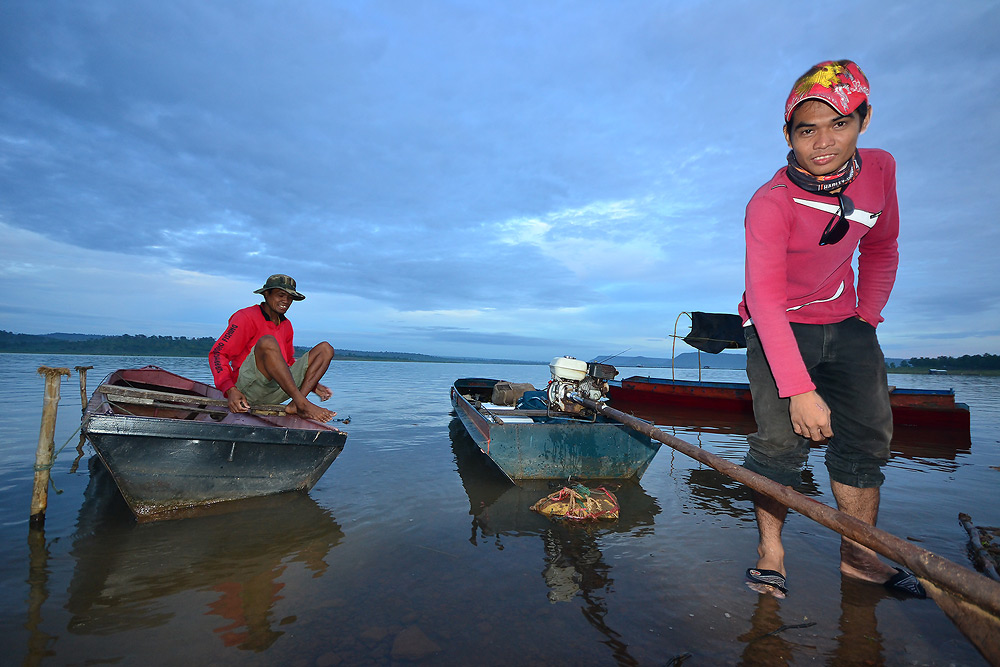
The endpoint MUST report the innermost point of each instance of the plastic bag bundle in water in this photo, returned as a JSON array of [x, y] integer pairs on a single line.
[[579, 503]]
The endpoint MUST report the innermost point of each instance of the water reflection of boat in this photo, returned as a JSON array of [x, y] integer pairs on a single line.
[[499, 507], [912, 442], [713, 493], [171, 443], [125, 571], [573, 563]]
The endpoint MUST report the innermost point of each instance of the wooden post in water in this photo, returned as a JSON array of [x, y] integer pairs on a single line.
[[46, 443], [82, 371]]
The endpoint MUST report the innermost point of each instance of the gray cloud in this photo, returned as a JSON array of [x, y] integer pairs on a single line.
[[586, 161]]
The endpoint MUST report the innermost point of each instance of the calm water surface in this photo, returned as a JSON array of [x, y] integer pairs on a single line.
[[413, 547]]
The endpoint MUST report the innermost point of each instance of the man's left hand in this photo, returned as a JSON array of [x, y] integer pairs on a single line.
[[322, 391]]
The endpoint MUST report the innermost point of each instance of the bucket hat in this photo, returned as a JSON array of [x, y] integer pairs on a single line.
[[839, 83], [282, 282]]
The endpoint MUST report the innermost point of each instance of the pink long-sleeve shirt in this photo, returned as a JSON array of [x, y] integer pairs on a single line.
[[791, 278]]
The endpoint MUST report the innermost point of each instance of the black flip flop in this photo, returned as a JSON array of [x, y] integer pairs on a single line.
[[769, 578], [905, 584]]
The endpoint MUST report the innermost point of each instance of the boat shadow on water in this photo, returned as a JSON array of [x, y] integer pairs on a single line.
[[573, 564], [237, 550], [935, 446]]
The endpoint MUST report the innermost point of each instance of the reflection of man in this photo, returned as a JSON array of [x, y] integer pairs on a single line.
[[248, 604], [253, 362], [815, 367]]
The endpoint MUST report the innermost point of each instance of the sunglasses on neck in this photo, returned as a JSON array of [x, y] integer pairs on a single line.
[[837, 228]]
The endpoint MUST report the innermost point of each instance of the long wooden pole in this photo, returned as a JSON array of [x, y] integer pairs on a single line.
[[46, 443], [979, 596]]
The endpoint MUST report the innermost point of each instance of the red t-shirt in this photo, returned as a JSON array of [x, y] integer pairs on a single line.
[[246, 326], [791, 278]]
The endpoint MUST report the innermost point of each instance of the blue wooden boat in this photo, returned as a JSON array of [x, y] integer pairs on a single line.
[[171, 444], [543, 443]]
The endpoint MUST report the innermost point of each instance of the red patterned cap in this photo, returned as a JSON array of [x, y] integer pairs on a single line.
[[839, 83]]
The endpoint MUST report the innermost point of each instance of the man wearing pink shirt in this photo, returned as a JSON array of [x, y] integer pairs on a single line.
[[253, 362], [815, 366]]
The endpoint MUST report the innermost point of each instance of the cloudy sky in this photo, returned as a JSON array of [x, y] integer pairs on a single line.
[[515, 179]]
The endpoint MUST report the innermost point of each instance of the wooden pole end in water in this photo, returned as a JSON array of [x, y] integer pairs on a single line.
[[46, 442], [82, 372]]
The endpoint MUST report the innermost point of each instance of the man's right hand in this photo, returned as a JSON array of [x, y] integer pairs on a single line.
[[810, 416], [237, 401]]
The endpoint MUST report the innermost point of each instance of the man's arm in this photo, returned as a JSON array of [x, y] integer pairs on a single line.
[[767, 235], [879, 252], [228, 348]]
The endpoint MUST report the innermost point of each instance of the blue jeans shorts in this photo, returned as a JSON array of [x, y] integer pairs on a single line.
[[261, 391], [846, 364]]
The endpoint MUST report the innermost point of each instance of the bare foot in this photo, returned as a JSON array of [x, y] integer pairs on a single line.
[[311, 411], [765, 589], [762, 572], [876, 574], [861, 563]]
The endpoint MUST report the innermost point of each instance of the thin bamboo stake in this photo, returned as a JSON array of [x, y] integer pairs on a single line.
[[46, 443], [82, 371], [971, 589]]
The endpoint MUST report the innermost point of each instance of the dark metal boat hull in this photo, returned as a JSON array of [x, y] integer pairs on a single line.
[[160, 465]]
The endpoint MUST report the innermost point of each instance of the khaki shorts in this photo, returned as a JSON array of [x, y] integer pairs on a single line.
[[259, 390]]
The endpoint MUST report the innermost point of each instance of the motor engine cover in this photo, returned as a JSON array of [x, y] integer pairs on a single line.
[[570, 375], [568, 368]]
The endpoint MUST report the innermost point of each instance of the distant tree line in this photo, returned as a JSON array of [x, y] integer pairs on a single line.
[[968, 362], [124, 345], [178, 346]]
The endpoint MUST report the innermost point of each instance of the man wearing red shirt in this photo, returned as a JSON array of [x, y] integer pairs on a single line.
[[815, 366], [253, 362]]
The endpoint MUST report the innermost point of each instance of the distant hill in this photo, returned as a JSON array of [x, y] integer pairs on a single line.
[[363, 355], [683, 360], [181, 346]]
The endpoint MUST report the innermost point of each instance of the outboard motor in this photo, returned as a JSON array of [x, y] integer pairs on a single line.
[[570, 375]]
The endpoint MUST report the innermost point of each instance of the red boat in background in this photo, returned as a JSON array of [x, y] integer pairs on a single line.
[[933, 408]]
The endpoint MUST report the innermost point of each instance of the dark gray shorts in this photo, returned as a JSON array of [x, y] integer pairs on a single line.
[[846, 364]]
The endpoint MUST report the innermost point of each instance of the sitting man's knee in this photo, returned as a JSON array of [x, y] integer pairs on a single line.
[[267, 342], [322, 351]]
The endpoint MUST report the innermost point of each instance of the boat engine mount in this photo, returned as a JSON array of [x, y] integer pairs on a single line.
[[571, 375]]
